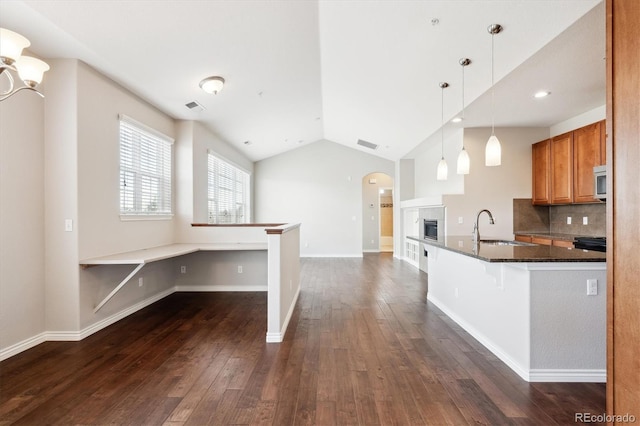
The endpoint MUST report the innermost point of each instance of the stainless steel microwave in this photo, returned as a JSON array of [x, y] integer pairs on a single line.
[[600, 182]]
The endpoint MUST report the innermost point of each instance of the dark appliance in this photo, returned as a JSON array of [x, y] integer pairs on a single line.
[[430, 229], [591, 243]]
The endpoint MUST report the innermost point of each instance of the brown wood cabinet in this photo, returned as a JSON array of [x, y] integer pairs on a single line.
[[562, 243], [562, 167], [587, 153], [523, 238], [541, 172]]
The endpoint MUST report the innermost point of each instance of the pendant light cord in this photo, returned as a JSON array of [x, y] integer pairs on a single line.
[[442, 121], [493, 108]]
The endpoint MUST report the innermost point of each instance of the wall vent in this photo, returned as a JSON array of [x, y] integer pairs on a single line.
[[194, 106], [367, 144]]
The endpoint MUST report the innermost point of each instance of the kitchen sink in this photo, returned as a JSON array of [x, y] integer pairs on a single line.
[[505, 243]]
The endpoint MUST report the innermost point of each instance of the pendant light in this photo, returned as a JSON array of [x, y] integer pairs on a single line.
[[463, 158], [443, 170], [493, 150]]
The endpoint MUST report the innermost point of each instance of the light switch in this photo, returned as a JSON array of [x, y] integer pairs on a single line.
[[68, 225], [585, 220]]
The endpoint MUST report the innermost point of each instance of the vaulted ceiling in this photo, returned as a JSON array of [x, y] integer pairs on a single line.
[[298, 71]]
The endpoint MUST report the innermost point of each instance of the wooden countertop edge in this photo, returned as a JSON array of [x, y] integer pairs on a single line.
[[282, 228]]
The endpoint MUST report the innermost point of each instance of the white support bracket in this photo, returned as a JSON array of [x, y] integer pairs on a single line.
[[118, 287]]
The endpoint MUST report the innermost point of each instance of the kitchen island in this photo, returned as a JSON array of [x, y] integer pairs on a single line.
[[528, 304]]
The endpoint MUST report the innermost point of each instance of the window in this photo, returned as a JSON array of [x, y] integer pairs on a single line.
[[228, 192], [145, 170]]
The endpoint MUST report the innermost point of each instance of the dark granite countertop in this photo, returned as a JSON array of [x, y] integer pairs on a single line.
[[464, 244]]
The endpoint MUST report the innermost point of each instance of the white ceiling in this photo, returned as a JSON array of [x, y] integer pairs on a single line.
[[298, 71]]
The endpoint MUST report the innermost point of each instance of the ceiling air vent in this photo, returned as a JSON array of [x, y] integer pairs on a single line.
[[367, 144], [194, 106]]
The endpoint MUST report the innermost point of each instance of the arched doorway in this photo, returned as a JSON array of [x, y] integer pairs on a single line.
[[377, 213]]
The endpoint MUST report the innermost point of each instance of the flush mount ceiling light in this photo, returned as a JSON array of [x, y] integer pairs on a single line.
[[493, 150], [443, 170], [30, 70], [463, 158], [212, 85], [542, 94]]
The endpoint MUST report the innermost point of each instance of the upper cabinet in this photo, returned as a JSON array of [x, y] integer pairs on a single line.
[[562, 167], [587, 153], [541, 169]]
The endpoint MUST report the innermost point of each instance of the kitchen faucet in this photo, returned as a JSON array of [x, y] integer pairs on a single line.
[[476, 228]]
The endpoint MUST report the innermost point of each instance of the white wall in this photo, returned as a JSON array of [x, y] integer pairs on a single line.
[[592, 116], [61, 196], [493, 188], [427, 157], [22, 289], [320, 186]]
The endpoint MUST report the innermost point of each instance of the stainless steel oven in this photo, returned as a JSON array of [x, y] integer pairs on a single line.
[[600, 182], [430, 229]]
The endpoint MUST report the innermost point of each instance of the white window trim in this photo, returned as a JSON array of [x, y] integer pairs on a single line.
[[145, 216], [239, 167]]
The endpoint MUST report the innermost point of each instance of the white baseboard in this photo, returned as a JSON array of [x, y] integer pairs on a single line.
[[530, 375], [332, 255], [520, 370], [568, 376], [217, 288], [278, 337], [23, 346], [74, 336]]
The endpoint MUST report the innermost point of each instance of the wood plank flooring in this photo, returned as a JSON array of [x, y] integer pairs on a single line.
[[363, 348]]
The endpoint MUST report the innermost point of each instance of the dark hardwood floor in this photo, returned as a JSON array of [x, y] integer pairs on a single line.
[[363, 348]]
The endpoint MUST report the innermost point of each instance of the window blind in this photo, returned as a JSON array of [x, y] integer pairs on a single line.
[[228, 192], [145, 170]]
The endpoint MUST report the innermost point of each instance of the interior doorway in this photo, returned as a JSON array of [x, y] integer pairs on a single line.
[[377, 213], [385, 205]]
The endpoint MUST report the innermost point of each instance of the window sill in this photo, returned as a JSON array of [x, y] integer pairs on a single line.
[[139, 217]]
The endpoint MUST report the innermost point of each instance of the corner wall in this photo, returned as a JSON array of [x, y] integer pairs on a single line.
[[320, 186], [22, 243], [493, 188]]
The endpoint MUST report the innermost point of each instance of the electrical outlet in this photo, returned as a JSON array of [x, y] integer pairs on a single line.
[[239, 269], [455, 292], [183, 269], [592, 287], [140, 282], [568, 220], [585, 220], [460, 220]]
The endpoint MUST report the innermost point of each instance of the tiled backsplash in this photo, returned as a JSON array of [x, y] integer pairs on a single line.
[[596, 219], [553, 219]]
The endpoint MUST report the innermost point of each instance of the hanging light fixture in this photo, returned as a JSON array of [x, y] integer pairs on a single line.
[[443, 170], [212, 85], [464, 161], [30, 70], [493, 150]]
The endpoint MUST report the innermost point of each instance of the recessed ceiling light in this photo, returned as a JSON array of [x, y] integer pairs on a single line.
[[456, 120], [542, 94]]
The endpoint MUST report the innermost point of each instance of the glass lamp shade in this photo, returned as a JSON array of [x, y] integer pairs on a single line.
[[493, 152], [443, 170], [464, 162], [212, 85], [11, 45], [31, 70]]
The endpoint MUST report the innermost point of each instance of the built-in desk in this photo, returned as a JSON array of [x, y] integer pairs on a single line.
[[154, 254]]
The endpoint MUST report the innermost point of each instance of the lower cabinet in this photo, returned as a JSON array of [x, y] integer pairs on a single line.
[[545, 241]]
